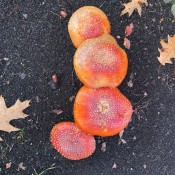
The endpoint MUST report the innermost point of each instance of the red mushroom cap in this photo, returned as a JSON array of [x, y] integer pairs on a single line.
[[71, 142], [100, 62], [102, 112], [87, 22]]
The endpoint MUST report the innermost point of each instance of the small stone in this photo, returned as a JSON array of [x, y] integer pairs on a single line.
[[121, 133], [1, 139], [63, 14], [25, 15], [134, 138], [103, 147], [21, 166], [130, 83], [54, 78], [123, 141], [8, 165], [144, 166], [52, 85], [114, 166], [22, 76], [6, 59], [72, 98], [145, 94]]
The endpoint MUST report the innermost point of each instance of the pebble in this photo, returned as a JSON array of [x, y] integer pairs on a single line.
[[52, 85]]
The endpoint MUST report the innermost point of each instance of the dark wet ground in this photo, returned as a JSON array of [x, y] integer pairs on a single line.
[[34, 45]]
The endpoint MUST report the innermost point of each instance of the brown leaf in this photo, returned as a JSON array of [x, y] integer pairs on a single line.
[[8, 114], [129, 29], [134, 5], [167, 51]]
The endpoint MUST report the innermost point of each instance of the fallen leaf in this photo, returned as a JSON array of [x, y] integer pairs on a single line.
[[134, 5], [127, 43], [167, 51], [57, 111], [8, 165], [129, 29], [21, 166], [8, 114]]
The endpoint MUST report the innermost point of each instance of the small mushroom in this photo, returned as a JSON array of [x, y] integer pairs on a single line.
[[71, 142], [87, 22]]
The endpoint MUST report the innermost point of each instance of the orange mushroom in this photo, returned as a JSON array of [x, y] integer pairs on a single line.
[[87, 22], [71, 142], [100, 62], [102, 112]]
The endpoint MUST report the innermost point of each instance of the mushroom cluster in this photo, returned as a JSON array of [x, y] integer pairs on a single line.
[[100, 109]]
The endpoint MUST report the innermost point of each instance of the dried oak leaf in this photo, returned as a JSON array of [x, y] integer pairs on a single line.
[[134, 5], [167, 51], [8, 114]]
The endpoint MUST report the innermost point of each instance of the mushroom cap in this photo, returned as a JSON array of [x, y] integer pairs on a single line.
[[101, 112], [87, 22], [100, 62], [71, 142]]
